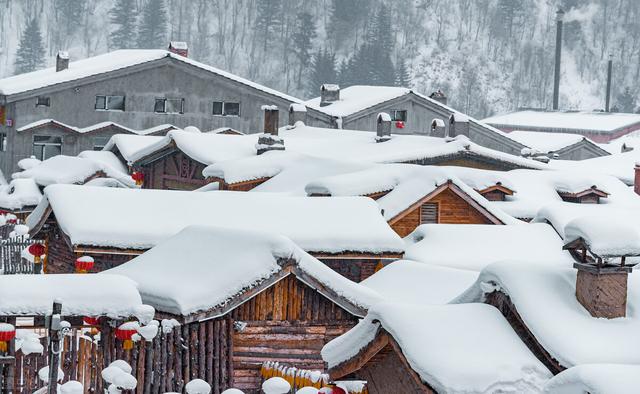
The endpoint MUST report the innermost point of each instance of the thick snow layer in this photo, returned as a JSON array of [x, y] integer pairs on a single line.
[[19, 193], [356, 98], [410, 282], [619, 165], [110, 62], [94, 127], [132, 147], [544, 296], [183, 276], [106, 158], [571, 120], [82, 295], [454, 348], [438, 244], [606, 236], [546, 142], [596, 379], [29, 162], [141, 218]]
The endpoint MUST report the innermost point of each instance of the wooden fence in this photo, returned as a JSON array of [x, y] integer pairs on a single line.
[[11, 260]]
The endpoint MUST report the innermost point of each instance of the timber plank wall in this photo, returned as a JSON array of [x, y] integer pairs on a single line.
[[176, 171]]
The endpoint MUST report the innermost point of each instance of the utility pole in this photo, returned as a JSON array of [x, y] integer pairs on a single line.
[[55, 336], [609, 71], [556, 74]]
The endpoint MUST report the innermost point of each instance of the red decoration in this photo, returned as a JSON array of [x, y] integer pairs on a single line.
[[3, 212], [399, 124], [90, 321], [36, 250], [138, 176], [7, 333], [12, 221], [124, 333], [84, 264]]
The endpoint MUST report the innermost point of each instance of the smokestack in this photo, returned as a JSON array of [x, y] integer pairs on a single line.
[[556, 74], [329, 94], [609, 69], [297, 113], [62, 61], [179, 48], [269, 140], [383, 127], [636, 178]]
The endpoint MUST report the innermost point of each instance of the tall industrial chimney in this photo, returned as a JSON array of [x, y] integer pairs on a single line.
[[556, 74], [609, 70]]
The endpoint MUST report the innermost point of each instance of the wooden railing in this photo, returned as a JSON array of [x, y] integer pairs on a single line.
[[11, 248]]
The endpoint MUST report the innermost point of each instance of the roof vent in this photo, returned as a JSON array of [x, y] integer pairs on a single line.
[[179, 48], [62, 61], [329, 93]]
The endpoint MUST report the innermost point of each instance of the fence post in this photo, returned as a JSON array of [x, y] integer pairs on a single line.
[[55, 333]]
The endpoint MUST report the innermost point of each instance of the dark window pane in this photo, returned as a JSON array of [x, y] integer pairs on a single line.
[[47, 139], [217, 107], [173, 106], [51, 150], [159, 106], [100, 142], [101, 102], [42, 101], [399, 115], [115, 103], [232, 109]]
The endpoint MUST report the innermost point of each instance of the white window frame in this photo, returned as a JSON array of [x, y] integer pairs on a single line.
[[224, 108], [394, 117], [164, 110], [42, 155], [106, 102]]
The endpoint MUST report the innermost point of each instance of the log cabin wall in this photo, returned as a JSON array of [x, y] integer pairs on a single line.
[[356, 270], [244, 186], [452, 209], [289, 322], [176, 171]]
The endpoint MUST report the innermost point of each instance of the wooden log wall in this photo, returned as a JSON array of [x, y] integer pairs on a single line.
[[355, 269], [174, 172]]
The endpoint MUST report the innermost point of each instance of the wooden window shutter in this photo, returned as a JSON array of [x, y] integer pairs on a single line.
[[429, 213]]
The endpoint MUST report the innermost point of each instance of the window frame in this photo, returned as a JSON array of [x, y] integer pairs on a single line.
[[106, 102], [224, 108], [394, 115], [41, 155], [43, 101], [164, 105], [96, 144]]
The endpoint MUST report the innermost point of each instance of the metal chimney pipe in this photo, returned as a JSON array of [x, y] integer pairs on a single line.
[[609, 70], [556, 74]]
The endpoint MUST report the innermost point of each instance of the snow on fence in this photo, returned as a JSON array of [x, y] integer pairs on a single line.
[[13, 242]]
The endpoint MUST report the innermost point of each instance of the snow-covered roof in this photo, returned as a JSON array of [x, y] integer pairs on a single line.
[[356, 98], [82, 295], [141, 218], [109, 62], [569, 120], [204, 268], [454, 348], [545, 298], [68, 170], [596, 379], [105, 158], [440, 244], [411, 282], [546, 142], [19, 193], [96, 127], [619, 165]]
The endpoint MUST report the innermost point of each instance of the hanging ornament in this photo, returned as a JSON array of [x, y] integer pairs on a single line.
[[84, 264], [7, 333]]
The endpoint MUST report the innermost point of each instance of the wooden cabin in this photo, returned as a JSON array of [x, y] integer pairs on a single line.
[[259, 298], [497, 192], [170, 169], [591, 195]]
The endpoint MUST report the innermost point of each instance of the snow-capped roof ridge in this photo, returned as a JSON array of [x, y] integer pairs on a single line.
[[95, 127]]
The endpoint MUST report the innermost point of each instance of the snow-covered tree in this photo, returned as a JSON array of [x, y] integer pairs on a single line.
[[152, 32], [403, 75], [626, 101], [30, 54], [268, 18], [303, 35], [123, 16], [323, 70]]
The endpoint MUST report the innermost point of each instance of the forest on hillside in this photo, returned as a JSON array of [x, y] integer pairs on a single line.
[[488, 56]]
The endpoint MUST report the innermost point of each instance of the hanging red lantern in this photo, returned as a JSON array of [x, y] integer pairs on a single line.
[[84, 264], [7, 333], [90, 321], [138, 176], [3, 212], [36, 250], [399, 124], [125, 332]]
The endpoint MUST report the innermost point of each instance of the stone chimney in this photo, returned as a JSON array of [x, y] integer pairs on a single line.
[[636, 179], [439, 96], [458, 125], [383, 127], [179, 48], [62, 61], [438, 128], [270, 140], [329, 93], [297, 113]]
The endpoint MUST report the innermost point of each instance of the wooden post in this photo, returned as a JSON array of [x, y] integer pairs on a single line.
[[148, 365], [54, 346]]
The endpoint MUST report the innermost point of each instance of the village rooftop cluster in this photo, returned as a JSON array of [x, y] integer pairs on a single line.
[[188, 230]]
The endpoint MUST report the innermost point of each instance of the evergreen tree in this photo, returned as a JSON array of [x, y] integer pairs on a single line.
[[152, 31], [123, 16], [403, 76], [30, 54], [345, 17], [303, 35], [70, 13], [268, 17], [626, 101], [323, 70]]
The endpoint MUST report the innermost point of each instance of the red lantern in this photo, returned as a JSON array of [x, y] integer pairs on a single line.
[[3, 212], [125, 332], [399, 124], [7, 333], [138, 176], [36, 250], [84, 264], [90, 321]]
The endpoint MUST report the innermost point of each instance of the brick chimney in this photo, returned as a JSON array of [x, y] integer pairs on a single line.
[[179, 48], [383, 127], [297, 113], [62, 61], [269, 140], [329, 93], [439, 96], [458, 125], [438, 128], [636, 178]]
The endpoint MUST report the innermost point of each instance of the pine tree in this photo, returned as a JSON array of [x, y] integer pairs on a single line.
[[123, 16], [268, 17], [323, 70], [152, 31], [345, 17], [70, 13], [30, 53], [303, 35], [403, 75], [626, 101]]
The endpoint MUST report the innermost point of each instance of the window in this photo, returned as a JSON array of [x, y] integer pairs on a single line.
[[398, 115], [99, 142], [43, 101], [110, 103], [3, 142], [45, 146], [429, 213], [226, 108], [169, 106]]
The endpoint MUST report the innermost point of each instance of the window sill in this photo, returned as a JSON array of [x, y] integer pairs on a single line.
[[169, 113], [109, 110], [226, 116]]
